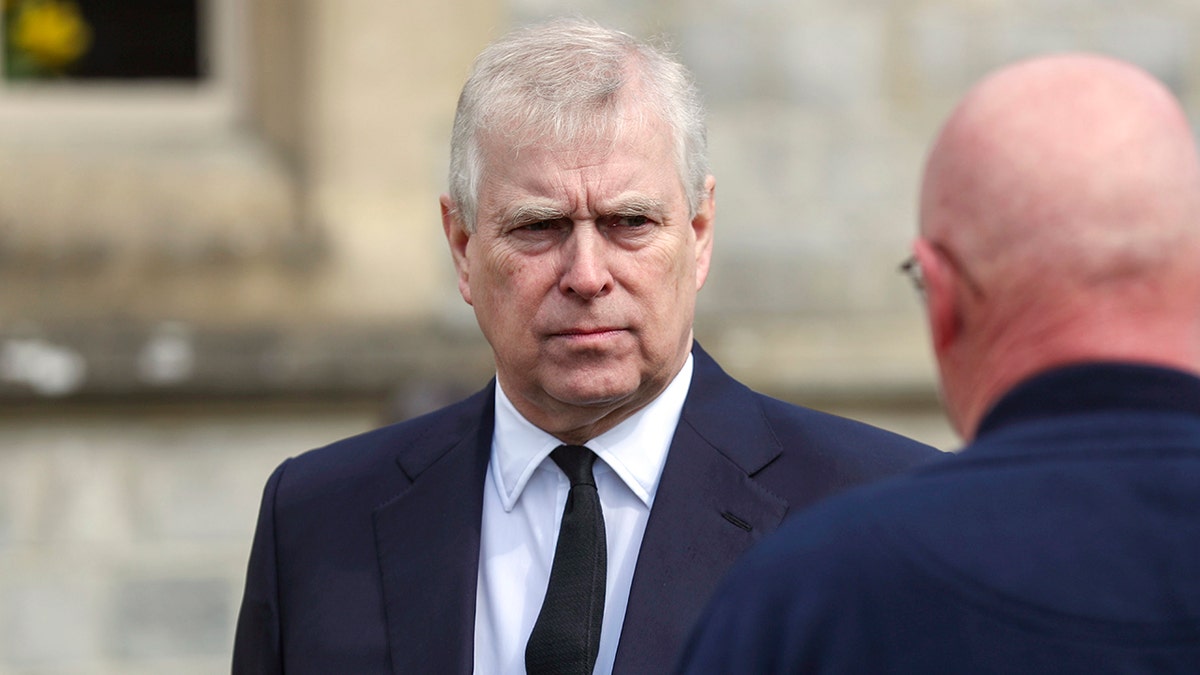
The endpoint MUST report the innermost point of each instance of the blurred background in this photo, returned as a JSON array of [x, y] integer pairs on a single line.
[[220, 246]]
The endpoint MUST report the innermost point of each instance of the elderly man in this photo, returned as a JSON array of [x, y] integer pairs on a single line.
[[1059, 256], [574, 516]]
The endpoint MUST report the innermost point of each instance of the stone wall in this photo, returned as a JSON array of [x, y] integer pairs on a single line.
[[124, 532]]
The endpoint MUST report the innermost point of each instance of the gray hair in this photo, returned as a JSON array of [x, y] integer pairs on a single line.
[[562, 81]]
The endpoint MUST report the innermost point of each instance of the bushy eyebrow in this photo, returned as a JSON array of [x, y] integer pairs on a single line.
[[635, 205], [521, 214], [623, 205]]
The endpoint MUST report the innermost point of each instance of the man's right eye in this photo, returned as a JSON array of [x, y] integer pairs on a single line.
[[542, 226]]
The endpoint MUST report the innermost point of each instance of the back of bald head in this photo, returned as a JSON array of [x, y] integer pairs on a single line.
[[1069, 171]]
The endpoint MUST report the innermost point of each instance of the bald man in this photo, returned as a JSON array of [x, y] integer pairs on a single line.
[[1059, 259]]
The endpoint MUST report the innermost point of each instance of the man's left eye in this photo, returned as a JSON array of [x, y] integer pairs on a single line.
[[631, 221]]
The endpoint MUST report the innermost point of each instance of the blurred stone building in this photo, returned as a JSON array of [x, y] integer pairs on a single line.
[[205, 270]]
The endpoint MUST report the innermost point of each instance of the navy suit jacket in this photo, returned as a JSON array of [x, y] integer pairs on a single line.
[[366, 555], [1065, 539]]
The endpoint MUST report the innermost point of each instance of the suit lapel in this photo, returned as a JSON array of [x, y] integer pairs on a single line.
[[707, 511], [428, 544]]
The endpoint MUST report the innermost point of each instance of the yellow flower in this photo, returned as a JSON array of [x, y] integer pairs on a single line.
[[50, 32]]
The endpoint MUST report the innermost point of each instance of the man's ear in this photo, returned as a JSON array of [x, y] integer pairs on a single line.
[[458, 237], [941, 296], [702, 228]]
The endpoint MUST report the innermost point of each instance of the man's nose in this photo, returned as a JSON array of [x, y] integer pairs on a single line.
[[585, 264]]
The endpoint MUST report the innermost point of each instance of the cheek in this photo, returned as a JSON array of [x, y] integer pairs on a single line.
[[665, 280], [676, 270], [497, 271], [512, 288]]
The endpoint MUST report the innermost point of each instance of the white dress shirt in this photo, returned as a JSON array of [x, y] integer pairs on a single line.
[[523, 500]]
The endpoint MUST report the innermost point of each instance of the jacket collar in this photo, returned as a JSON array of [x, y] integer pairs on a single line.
[[707, 512], [1095, 388], [427, 539]]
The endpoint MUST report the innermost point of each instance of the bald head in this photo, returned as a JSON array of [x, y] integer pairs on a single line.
[[1077, 166], [1068, 189]]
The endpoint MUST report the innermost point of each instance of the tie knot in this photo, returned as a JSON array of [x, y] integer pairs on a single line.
[[576, 461]]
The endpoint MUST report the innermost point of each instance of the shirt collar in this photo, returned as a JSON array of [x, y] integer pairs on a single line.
[[635, 449], [1094, 387]]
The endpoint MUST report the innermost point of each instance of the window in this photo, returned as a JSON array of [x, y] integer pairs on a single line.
[[141, 148], [67, 40], [132, 67]]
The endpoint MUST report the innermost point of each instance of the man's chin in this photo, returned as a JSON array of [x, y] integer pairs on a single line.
[[592, 397]]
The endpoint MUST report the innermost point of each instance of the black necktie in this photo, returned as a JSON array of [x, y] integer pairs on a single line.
[[566, 636]]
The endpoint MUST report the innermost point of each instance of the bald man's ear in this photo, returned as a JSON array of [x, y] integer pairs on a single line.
[[941, 297]]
